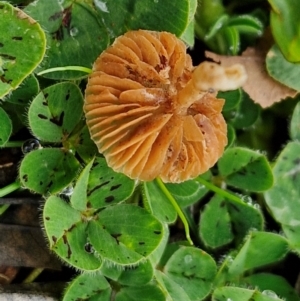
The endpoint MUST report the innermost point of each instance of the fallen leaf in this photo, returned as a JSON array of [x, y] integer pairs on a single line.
[[7, 274], [260, 86]]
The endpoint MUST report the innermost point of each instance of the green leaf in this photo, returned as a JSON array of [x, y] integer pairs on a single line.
[[67, 234], [107, 187], [75, 35], [78, 198], [157, 203], [231, 136], [18, 32], [295, 123], [231, 39], [88, 287], [205, 19], [48, 170], [214, 29], [244, 217], [54, 113], [293, 236], [245, 169], [246, 113], [227, 293], [157, 254], [252, 255], [147, 292], [17, 115], [285, 27], [26, 92], [283, 199], [275, 283], [224, 220], [232, 99], [121, 16], [188, 36], [188, 192], [72, 228], [125, 234], [131, 276], [246, 24], [58, 216], [193, 270], [282, 70], [215, 227], [83, 144], [173, 291], [5, 126]]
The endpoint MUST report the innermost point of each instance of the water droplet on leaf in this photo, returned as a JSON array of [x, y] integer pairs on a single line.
[[30, 145], [88, 248], [256, 206], [247, 199], [101, 5], [68, 191], [73, 32], [269, 293], [188, 258]]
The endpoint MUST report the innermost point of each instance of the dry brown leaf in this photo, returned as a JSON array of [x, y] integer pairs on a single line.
[[261, 87], [7, 274]]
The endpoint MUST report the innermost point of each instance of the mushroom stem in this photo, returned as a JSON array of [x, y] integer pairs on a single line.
[[211, 76], [188, 95]]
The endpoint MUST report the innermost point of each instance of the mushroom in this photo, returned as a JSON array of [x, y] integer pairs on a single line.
[[151, 113]]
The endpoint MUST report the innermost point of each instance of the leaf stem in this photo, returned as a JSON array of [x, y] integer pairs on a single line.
[[33, 275], [66, 68], [9, 188], [3, 208], [177, 208], [219, 191], [13, 144]]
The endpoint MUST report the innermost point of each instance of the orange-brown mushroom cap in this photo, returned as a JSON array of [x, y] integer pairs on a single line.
[[146, 113]]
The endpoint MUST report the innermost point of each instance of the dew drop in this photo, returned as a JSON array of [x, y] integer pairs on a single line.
[[188, 258], [30, 145], [253, 229], [73, 31], [88, 248], [229, 259], [101, 5], [247, 199], [256, 206], [269, 293], [67, 191]]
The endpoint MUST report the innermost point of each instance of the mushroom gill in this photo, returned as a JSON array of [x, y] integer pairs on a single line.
[[151, 113]]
